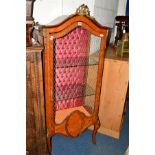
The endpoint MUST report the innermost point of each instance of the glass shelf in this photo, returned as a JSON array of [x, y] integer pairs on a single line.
[[73, 62], [73, 91]]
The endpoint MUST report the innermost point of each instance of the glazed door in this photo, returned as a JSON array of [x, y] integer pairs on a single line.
[[75, 70]]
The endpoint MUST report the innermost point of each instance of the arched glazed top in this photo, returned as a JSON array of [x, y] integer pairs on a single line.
[[59, 34], [91, 22], [74, 18], [80, 18]]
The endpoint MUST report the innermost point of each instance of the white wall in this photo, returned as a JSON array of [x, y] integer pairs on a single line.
[[105, 11], [70, 6], [121, 7], [47, 10]]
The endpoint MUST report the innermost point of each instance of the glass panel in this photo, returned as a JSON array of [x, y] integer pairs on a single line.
[[76, 57]]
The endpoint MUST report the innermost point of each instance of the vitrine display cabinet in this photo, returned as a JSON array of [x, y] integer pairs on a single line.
[[73, 67]]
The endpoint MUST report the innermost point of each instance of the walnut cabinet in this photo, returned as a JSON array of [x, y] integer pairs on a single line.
[[72, 76]]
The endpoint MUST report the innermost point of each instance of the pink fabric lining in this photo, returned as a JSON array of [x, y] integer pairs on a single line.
[[71, 50], [69, 103]]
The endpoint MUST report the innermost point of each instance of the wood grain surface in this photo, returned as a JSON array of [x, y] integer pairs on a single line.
[[35, 110]]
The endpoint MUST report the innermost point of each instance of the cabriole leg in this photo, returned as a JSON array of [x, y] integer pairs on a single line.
[[96, 127]]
